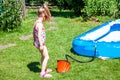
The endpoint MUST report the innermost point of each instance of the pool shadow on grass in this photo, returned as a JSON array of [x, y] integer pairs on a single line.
[[73, 52], [33, 66]]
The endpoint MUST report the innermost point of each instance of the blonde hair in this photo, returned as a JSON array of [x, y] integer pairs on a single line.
[[44, 10]]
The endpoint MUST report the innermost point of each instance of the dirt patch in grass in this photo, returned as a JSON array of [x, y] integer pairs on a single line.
[[6, 46], [25, 37], [51, 28]]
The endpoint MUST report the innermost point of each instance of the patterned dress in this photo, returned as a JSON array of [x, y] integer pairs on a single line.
[[36, 37]]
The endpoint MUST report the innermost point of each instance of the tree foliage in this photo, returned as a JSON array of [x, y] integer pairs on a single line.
[[117, 15], [34, 2], [10, 18], [90, 7], [100, 7], [76, 5]]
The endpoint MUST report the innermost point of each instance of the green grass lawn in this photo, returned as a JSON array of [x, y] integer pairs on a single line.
[[21, 62]]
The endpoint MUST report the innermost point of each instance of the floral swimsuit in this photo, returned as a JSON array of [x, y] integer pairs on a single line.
[[35, 35]]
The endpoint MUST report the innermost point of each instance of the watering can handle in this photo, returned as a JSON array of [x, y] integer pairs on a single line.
[[82, 61]]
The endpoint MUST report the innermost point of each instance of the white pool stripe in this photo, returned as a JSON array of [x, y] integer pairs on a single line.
[[103, 30], [112, 36]]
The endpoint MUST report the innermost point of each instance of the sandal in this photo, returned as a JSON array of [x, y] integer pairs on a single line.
[[48, 70], [44, 75]]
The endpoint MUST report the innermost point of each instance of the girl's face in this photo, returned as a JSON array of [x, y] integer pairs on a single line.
[[42, 13]]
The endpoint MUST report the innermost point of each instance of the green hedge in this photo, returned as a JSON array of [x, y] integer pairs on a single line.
[[0, 6], [100, 7], [90, 7], [10, 18], [75, 5], [34, 2], [117, 15]]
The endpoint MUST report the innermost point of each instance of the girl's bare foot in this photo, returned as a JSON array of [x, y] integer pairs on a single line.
[[48, 70], [45, 75]]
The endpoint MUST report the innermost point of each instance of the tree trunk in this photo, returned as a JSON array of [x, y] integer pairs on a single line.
[[23, 9]]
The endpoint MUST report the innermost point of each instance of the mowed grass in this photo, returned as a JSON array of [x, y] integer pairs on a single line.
[[22, 62]]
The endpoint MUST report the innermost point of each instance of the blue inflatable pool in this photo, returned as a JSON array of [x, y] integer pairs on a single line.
[[106, 39]]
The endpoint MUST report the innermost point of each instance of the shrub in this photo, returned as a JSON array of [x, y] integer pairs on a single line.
[[117, 15], [34, 2], [10, 18], [58, 3], [75, 5], [100, 7]]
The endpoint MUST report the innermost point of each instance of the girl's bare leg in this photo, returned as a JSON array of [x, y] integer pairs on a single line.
[[44, 61]]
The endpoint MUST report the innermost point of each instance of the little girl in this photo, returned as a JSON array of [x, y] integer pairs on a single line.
[[39, 39]]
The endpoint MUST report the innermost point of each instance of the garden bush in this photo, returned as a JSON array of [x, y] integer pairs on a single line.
[[100, 7], [88, 8], [10, 18], [75, 5], [117, 15], [35, 2]]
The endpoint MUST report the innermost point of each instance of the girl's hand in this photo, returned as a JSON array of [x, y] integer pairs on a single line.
[[41, 47]]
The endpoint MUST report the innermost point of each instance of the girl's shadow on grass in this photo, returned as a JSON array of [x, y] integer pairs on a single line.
[[33, 66]]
